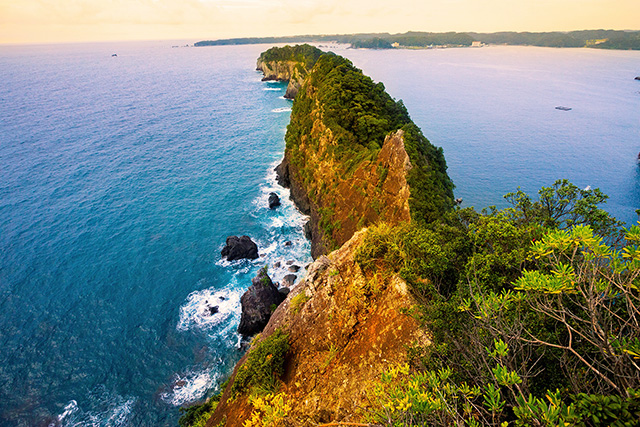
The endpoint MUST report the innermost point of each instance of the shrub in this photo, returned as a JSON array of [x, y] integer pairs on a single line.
[[264, 365], [298, 302], [198, 415]]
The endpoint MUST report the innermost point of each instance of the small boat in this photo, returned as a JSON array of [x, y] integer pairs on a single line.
[[637, 78], [115, 54], [563, 108]]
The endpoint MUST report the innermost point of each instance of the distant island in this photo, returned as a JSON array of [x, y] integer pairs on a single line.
[[598, 39]]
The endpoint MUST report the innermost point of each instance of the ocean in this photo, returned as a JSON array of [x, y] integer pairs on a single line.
[[121, 177]]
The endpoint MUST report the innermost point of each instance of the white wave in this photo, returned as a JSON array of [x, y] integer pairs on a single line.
[[70, 409], [281, 110], [272, 88], [196, 311], [116, 413], [190, 387]]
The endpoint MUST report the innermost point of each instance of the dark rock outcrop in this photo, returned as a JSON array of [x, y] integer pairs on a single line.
[[240, 248], [288, 280], [282, 174], [274, 201], [284, 291], [258, 303]]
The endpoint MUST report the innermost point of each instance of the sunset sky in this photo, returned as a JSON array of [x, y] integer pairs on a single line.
[[37, 21]]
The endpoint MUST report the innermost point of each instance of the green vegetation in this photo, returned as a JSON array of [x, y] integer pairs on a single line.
[[304, 54], [360, 114], [298, 302], [374, 43], [534, 312], [264, 365], [600, 39], [269, 410], [198, 415]]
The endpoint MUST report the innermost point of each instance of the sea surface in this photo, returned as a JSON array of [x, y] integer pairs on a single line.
[[121, 177], [492, 109]]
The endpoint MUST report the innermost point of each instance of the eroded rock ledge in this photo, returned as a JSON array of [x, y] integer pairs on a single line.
[[343, 335], [377, 190]]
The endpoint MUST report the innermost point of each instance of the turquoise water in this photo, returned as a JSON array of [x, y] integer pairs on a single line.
[[121, 177]]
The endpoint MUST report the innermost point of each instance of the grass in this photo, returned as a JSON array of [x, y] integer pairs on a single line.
[[298, 302]]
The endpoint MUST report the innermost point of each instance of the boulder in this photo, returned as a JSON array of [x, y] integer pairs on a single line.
[[240, 248], [274, 201], [284, 291], [257, 304], [288, 280], [294, 268]]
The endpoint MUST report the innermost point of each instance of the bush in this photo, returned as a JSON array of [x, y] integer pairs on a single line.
[[198, 415], [298, 302], [264, 365]]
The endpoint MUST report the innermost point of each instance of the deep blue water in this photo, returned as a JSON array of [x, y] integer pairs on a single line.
[[121, 177]]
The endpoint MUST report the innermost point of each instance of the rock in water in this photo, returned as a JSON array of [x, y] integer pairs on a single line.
[[257, 304], [239, 248], [288, 280], [274, 201]]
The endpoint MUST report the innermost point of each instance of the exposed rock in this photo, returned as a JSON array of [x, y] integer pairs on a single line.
[[274, 201], [284, 291], [290, 71], [367, 197], [342, 339], [289, 280], [213, 310], [288, 243], [289, 262], [240, 248], [282, 174], [307, 230], [257, 303], [294, 268], [277, 265]]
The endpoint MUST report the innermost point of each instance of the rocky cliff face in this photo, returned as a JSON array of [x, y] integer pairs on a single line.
[[293, 72], [345, 329], [341, 204], [354, 157]]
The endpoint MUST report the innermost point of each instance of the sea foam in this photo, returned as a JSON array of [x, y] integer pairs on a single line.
[[197, 313]]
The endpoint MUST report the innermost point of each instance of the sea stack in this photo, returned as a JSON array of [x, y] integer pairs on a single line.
[[258, 303], [240, 248]]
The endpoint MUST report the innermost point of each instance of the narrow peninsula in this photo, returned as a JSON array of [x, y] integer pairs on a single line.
[[417, 311]]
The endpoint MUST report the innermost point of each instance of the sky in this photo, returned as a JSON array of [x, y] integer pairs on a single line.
[[55, 21]]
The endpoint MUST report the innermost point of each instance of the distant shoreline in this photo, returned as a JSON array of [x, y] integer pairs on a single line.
[[595, 39]]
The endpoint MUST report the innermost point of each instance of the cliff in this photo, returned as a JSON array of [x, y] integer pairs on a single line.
[[344, 330], [353, 157], [290, 64]]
